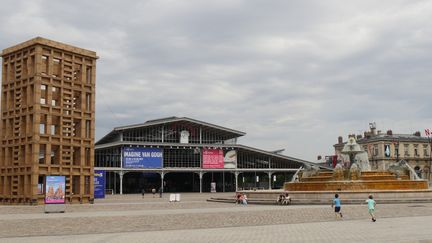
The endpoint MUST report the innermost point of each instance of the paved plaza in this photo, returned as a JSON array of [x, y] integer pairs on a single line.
[[130, 218]]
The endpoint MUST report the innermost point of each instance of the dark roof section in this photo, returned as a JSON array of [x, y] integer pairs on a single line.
[[230, 133], [395, 137], [238, 146]]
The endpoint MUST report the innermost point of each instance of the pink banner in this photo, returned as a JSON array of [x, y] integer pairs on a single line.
[[213, 159]]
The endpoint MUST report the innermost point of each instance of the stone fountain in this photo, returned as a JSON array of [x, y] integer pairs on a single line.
[[354, 180], [355, 174]]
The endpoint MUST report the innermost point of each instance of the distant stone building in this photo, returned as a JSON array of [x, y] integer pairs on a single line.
[[385, 148], [47, 120]]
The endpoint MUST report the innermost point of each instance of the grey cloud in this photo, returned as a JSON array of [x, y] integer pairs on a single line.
[[292, 74]]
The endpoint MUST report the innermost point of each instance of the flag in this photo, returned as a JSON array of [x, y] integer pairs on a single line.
[[427, 132]]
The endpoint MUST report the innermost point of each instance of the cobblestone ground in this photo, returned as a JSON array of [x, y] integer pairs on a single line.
[[156, 217]]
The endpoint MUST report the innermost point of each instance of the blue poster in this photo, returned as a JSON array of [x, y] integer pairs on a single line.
[[99, 184], [142, 157]]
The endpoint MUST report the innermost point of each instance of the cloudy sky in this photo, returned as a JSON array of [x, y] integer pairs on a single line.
[[291, 74]]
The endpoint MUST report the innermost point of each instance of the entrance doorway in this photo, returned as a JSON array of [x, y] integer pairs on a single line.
[[135, 182], [225, 181], [181, 182]]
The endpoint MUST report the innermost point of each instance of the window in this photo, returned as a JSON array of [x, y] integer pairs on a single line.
[[53, 130], [88, 133], [76, 156], [55, 155], [88, 75], [87, 185], [43, 101], [56, 67], [42, 128], [426, 150], [375, 150], [76, 184], [416, 153], [406, 151], [55, 96], [88, 102], [87, 157], [42, 153]]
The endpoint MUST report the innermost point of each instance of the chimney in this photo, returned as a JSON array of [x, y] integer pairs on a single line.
[[389, 132], [417, 134], [372, 127], [340, 140], [366, 135]]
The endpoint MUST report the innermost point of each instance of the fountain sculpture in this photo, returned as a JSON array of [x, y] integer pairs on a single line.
[[355, 174], [353, 180]]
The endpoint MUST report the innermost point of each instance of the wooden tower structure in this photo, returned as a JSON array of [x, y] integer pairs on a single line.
[[47, 120]]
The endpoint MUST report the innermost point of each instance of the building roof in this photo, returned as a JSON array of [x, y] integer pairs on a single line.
[[390, 138], [185, 120], [50, 43], [237, 146]]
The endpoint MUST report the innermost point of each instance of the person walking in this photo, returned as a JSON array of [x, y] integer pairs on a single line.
[[142, 192], [337, 206], [371, 207], [160, 192]]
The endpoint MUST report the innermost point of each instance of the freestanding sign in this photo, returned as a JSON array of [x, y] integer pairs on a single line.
[[99, 184], [142, 158], [55, 194], [55, 190]]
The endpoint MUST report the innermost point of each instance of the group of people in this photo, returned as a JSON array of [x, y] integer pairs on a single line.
[[284, 199], [241, 199], [370, 201], [153, 190]]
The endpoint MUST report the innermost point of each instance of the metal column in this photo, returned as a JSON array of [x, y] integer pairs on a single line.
[[162, 181], [200, 177], [236, 181], [270, 180], [121, 182], [223, 181]]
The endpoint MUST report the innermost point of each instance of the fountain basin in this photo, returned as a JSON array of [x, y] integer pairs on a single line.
[[347, 197], [359, 185]]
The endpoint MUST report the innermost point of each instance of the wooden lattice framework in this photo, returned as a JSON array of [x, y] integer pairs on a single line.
[[47, 120]]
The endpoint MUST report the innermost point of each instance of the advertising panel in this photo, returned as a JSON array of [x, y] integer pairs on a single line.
[[217, 159], [213, 159], [184, 136], [230, 159], [213, 187], [142, 158], [55, 190], [99, 184]]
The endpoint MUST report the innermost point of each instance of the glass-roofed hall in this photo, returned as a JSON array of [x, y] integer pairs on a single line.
[[180, 154]]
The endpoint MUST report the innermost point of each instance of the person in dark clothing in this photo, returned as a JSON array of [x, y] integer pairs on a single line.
[[142, 192], [160, 192]]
